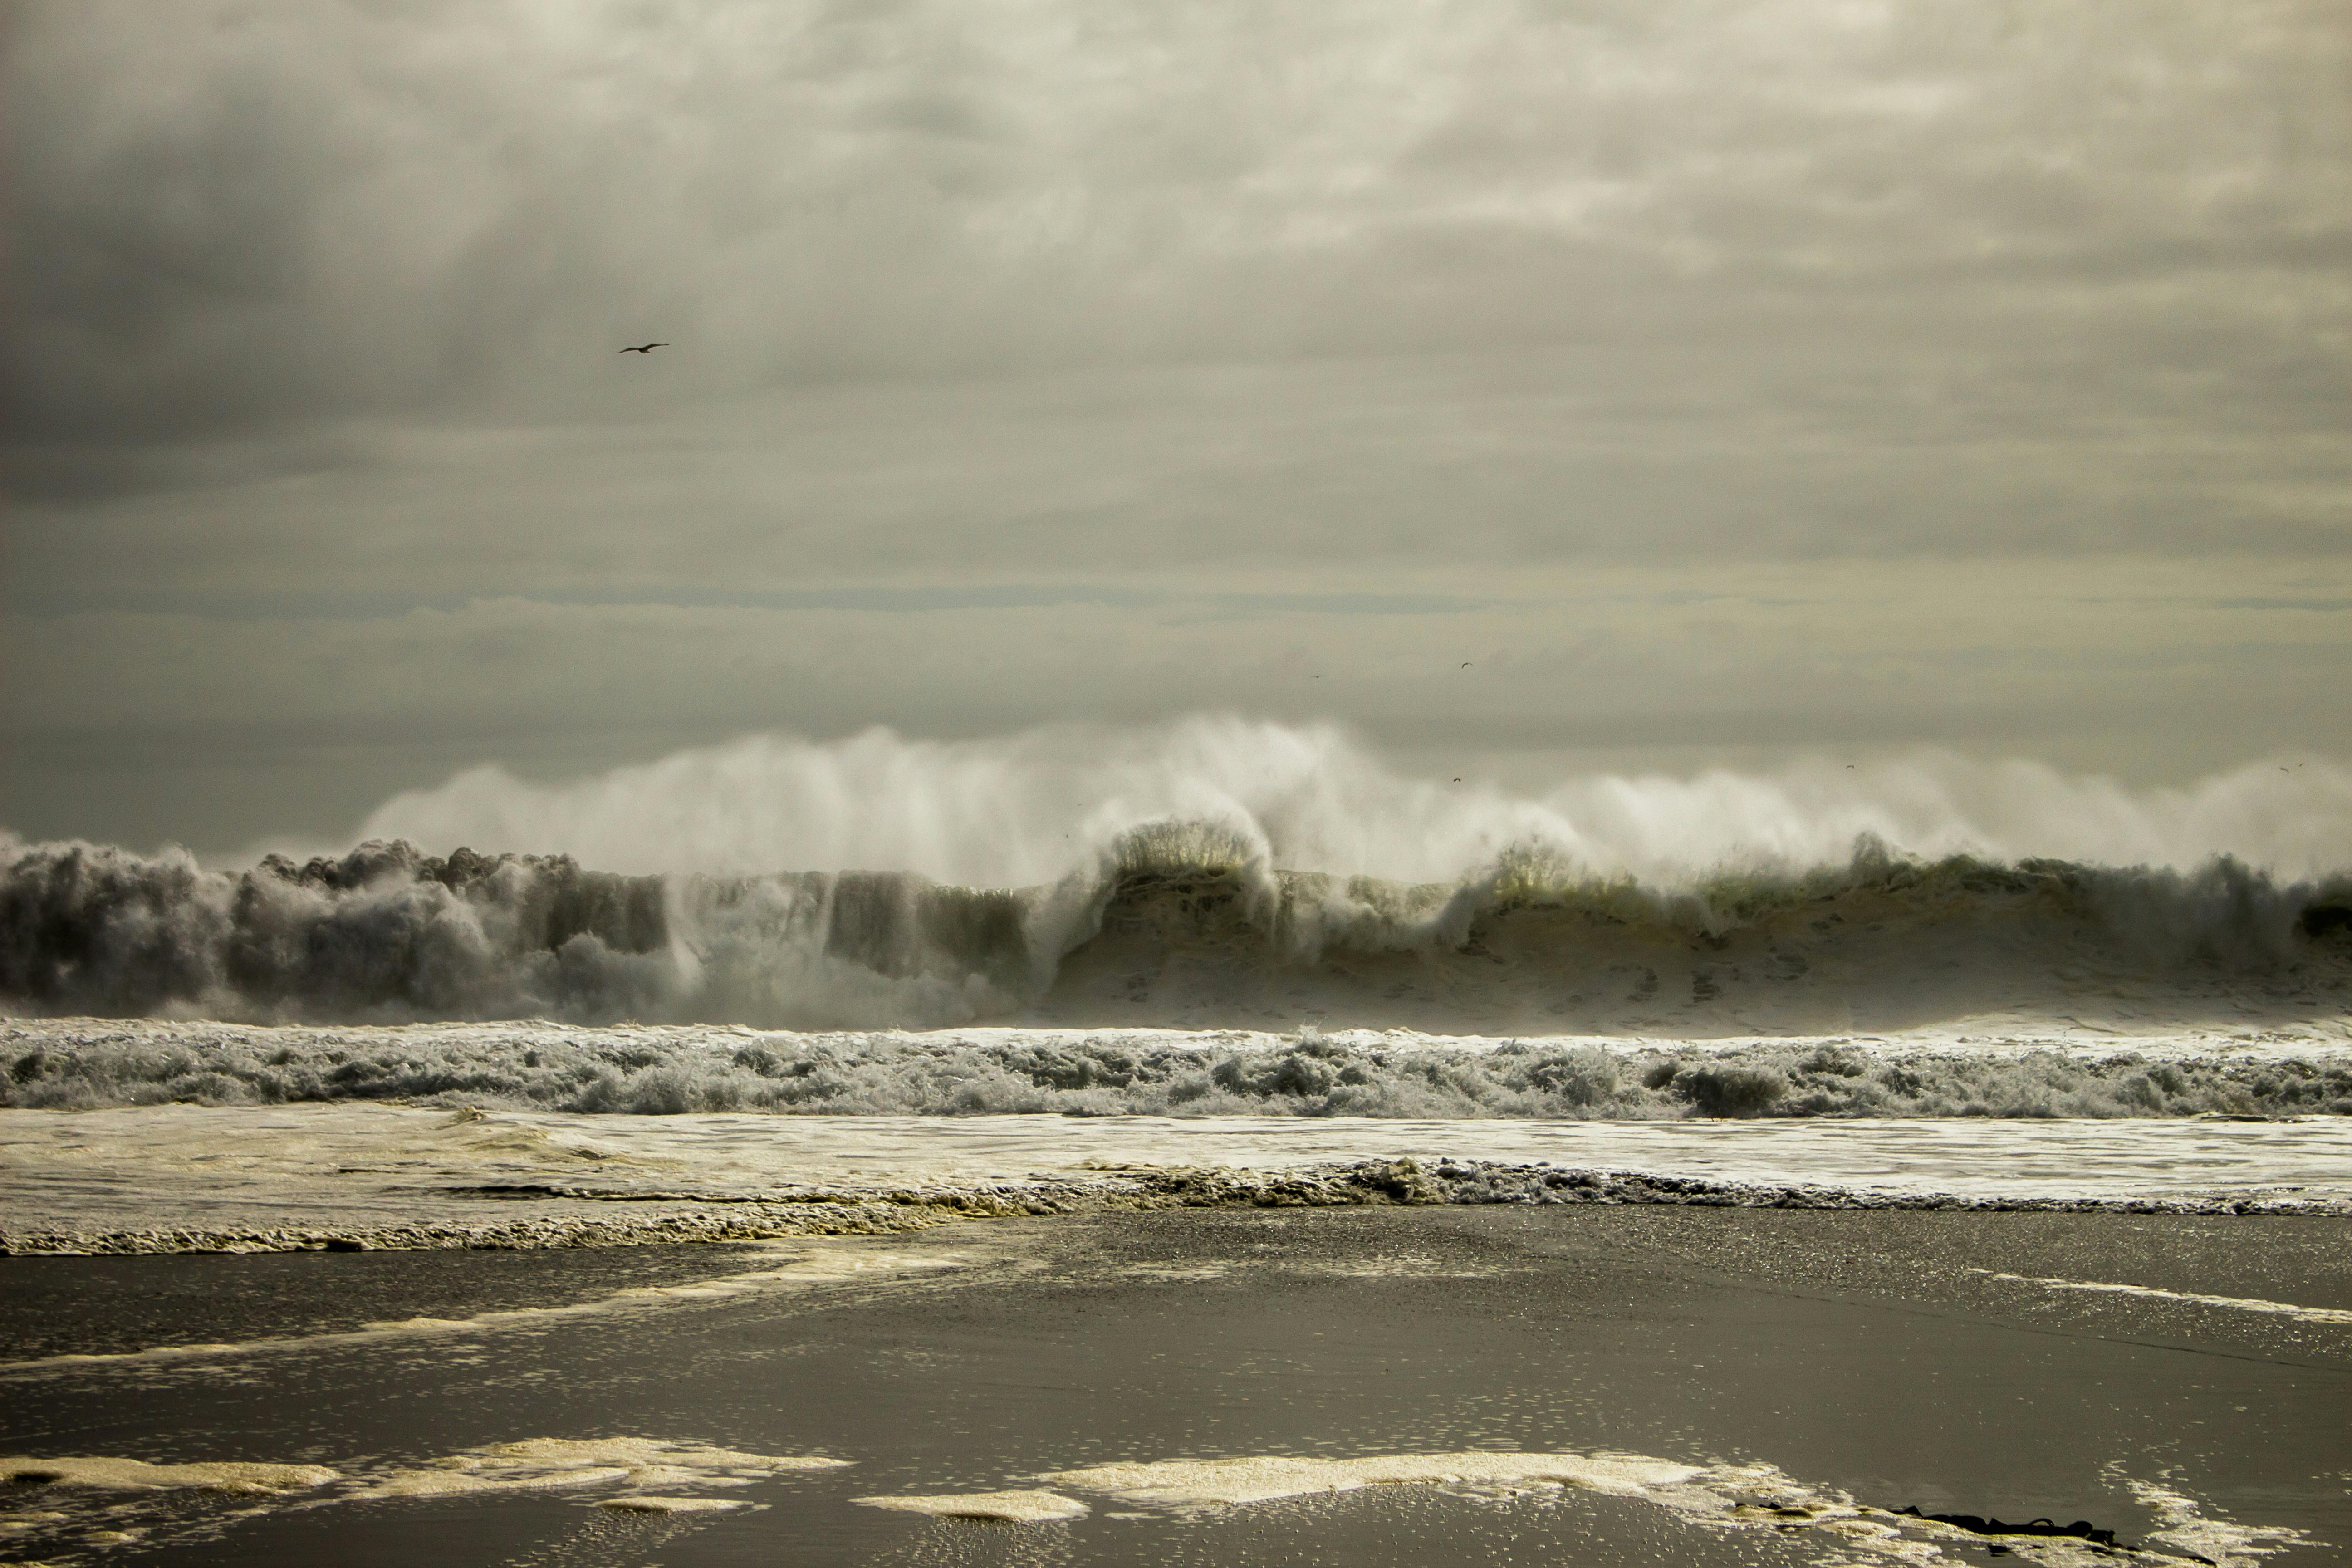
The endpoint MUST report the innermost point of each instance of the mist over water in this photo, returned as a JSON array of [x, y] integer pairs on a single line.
[[1224, 874], [1029, 808]]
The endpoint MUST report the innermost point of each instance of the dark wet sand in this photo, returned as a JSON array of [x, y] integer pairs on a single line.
[[101, 1306], [1860, 1350]]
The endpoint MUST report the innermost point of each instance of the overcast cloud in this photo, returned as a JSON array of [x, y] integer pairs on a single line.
[[1721, 381]]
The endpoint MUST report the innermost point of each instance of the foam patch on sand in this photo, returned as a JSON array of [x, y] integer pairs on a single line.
[[98, 1498], [1711, 1496], [1403, 1266], [1206, 1483], [136, 1474], [661, 1476], [634, 1504], [2236, 1303], [2182, 1525], [540, 1463], [806, 1266], [1027, 1506]]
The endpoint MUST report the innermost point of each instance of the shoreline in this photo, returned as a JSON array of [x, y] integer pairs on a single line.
[[1209, 1384], [1402, 1183]]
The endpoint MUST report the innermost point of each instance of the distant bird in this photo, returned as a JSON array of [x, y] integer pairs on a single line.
[[1465, 664], [643, 348], [1457, 778]]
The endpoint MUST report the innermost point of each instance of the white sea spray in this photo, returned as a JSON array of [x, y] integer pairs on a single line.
[[1224, 874]]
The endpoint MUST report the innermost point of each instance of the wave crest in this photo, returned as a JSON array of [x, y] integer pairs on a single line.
[[1179, 924]]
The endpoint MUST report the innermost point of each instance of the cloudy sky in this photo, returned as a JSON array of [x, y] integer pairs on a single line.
[[1722, 382]]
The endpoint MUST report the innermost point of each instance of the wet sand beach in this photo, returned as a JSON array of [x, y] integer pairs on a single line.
[[1784, 1376]]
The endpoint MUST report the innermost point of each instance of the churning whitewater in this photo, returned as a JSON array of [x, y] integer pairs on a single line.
[[1220, 875]]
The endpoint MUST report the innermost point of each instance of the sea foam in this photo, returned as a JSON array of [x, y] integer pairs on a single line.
[[81, 1064]]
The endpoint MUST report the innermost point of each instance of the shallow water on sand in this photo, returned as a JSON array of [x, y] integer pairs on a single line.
[[1902, 1358], [216, 1166]]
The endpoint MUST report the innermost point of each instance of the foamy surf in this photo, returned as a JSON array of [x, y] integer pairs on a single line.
[[2051, 1071], [295, 1178]]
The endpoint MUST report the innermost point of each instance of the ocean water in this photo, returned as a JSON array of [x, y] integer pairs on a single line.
[[1700, 1170], [1225, 922], [1219, 920]]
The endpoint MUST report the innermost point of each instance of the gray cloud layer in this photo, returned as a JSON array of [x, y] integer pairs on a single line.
[[241, 214], [1283, 320]]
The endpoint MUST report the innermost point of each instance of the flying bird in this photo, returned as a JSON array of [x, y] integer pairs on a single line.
[[643, 348]]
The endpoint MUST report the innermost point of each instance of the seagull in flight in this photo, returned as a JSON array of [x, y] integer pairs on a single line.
[[645, 348]]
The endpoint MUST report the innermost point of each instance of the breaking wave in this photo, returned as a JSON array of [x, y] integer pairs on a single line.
[[673, 1070], [1181, 925], [1217, 873]]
